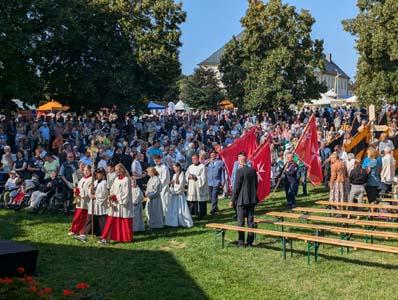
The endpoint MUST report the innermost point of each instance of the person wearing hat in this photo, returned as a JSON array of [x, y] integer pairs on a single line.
[[244, 198]]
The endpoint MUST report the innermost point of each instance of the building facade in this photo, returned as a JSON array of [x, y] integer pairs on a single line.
[[333, 76]]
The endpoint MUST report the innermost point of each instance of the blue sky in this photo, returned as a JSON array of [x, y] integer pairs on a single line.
[[211, 23]]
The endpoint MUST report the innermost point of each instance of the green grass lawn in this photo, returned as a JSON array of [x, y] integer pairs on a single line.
[[186, 263]]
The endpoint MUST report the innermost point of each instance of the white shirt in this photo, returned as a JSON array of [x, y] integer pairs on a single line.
[[136, 167]]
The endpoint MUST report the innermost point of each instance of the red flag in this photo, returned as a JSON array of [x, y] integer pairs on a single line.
[[262, 163], [308, 152], [246, 143]]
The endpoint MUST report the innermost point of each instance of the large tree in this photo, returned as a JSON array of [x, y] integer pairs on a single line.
[[18, 77], [276, 58], [234, 74], [375, 28], [90, 52], [201, 90]]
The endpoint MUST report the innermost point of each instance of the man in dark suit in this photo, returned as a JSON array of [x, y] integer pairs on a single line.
[[291, 180], [244, 198]]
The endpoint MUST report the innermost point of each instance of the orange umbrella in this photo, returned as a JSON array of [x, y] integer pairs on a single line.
[[52, 105], [226, 104]]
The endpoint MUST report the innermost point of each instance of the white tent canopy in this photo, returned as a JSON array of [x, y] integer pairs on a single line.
[[22, 105], [324, 100], [351, 100], [181, 106], [331, 93]]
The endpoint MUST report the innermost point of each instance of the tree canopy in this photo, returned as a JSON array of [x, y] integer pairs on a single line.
[[375, 28], [274, 63], [201, 90], [89, 53]]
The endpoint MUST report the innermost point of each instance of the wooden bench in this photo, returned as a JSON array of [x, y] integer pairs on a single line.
[[312, 241], [359, 205], [344, 232], [345, 212], [306, 217]]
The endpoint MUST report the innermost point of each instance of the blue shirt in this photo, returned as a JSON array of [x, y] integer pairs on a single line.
[[374, 176], [45, 132], [235, 171], [215, 173], [87, 161], [151, 152], [367, 160]]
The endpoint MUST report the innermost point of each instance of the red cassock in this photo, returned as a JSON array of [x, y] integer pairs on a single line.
[[79, 220], [119, 223], [80, 215], [118, 229]]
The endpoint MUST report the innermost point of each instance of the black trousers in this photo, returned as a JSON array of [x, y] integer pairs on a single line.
[[245, 212], [198, 208], [68, 195], [372, 192], [99, 223]]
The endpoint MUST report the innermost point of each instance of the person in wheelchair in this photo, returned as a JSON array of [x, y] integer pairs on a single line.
[[44, 197], [10, 188], [17, 195]]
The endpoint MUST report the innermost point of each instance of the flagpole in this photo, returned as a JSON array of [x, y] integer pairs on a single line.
[[285, 164]]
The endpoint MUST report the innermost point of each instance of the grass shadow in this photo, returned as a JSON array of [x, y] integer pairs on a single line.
[[117, 273]]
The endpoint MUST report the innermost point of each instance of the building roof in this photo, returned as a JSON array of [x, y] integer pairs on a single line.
[[214, 59], [330, 66]]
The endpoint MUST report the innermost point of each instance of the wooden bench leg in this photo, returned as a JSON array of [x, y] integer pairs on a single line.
[[311, 245], [218, 234], [255, 225], [284, 247], [291, 248], [284, 242]]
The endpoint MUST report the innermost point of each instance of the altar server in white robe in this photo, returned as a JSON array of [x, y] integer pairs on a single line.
[[119, 222], [164, 177], [110, 174], [198, 190], [154, 209], [138, 196], [178, 213], [82, 198], [99, 202]]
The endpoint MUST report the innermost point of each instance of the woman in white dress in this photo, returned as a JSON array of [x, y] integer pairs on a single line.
[[138, 196], [178, 213], [154, 208]]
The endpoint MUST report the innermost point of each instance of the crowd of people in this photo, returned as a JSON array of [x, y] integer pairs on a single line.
[[110, 170]]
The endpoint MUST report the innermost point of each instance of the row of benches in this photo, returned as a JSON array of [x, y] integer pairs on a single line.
[[313, 241]]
